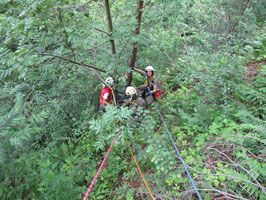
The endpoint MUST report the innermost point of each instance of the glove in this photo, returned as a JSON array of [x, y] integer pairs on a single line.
[[134, 67]]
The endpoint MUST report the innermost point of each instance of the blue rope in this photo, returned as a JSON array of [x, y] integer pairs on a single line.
[[183, 162]]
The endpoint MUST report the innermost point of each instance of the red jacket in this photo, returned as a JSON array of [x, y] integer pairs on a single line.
[[104, 91]]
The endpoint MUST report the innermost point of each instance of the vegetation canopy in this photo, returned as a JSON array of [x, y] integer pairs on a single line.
[[209, 57]]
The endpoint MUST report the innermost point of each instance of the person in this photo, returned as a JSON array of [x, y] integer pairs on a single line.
[[106, 96], [151, 83], [135, 101]]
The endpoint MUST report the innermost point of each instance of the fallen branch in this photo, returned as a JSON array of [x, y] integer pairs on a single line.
[[238, 165], [219, 191], [238, 178], [247, 136]]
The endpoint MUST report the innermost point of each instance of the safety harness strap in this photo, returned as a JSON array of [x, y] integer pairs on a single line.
[[146, 82]]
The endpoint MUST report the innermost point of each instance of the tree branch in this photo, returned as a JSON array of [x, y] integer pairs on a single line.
[[241, 14], [172, 62], [102, 31], [100, 78], [84, 65], [238, 165], [75, 7], [247, 136], [3, 98], [72, 61], [215, 190]]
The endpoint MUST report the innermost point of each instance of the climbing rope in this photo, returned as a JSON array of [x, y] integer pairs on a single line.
[[100, 168], [140, 171], [183, 162]]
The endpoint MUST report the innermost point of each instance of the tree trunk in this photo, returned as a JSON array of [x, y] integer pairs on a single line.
[[110, 25], [135, 49]]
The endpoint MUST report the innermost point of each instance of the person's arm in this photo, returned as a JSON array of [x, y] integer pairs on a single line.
[[143, 73], [105, 97], [155, 86]]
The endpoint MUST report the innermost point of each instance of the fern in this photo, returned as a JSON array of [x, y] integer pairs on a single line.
[[258, 125]]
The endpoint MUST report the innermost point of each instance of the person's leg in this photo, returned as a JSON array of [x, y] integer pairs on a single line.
[[141, 90], [149, 99], [101, 108]]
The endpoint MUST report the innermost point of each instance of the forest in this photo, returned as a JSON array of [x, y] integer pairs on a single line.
[[209, 57]]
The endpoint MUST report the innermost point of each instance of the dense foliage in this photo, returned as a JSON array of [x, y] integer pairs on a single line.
[[209, 56]]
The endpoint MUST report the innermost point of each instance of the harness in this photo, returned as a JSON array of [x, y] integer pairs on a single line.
[[146, 82], [134, 101]]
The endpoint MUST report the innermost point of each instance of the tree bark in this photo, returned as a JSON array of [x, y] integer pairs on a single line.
[[135, 49], [110, 25]]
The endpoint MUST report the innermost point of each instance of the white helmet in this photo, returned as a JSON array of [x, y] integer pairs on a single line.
[[109, 80], [130, 91], [149, 68]]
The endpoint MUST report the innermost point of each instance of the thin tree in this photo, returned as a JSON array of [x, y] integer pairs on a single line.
[[110, 25], [133, 58]]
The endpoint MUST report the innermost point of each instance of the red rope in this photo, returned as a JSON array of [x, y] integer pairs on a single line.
[[96, 176]]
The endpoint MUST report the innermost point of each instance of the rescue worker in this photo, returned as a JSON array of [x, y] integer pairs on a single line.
[[135, 101], [106, 96], [151, 83]]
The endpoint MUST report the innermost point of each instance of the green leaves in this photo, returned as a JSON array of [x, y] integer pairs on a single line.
[[52, 138]]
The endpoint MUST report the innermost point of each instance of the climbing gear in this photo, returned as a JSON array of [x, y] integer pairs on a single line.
[[100, 168], [130, 91], [149, 83], [158, 94], [183, 162], [140, 171], [149, 68]]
